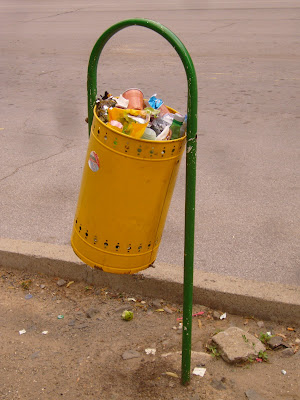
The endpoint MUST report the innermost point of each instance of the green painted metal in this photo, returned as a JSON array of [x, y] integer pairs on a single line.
[[191, 148]]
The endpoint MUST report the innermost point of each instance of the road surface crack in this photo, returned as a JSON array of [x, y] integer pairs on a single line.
[[31, 163], [221, 27]]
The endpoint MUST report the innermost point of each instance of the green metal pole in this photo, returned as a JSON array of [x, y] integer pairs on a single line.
[[191, 148]]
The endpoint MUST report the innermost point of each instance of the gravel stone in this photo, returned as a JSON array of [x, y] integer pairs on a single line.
[[91, 312], [218, 385], [129, 354], [287, 353], [156, 303], [275, 341], [252, 395], [216, 315]]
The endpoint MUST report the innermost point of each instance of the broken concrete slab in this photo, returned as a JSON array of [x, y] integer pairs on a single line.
[[236, 345]]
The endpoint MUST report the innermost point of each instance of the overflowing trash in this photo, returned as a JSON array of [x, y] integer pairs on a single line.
[[134, 116]]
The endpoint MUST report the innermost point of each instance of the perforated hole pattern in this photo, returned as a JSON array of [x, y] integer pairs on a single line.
[[121, 145], [117, 247]]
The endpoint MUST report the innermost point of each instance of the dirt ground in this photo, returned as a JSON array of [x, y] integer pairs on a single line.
[[79, 356]]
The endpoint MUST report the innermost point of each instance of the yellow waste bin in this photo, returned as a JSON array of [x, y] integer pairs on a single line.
[[125, 194]]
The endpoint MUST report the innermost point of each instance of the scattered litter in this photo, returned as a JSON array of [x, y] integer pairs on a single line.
[[60, 316], [127, 315], [199, 323], [22, 332], [70, 283], [290, 329], [223, 316], [150, 351], [175, 328], [283, 371], [269, 333], [131, 299], [121, 102], [281, 335], [160, 310], [193, 315], [61, 282], [44, 332], [172, 374], [143, 302], [28, 296], [42, 286], [199, 371], [259, 360]]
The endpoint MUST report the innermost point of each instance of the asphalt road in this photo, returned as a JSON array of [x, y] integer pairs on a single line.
[[247, 59]]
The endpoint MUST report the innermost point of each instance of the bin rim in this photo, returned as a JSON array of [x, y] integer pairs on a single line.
[[173, 111]]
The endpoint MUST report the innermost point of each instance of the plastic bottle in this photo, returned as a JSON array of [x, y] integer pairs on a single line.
[[176, 126], [183, 127]]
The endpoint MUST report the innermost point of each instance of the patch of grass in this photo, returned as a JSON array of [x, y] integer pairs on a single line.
[[263, 355], [245, 339], [214, 350], [26, 284], [265, 337]]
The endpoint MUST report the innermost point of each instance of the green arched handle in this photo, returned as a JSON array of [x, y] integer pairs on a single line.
[[191, 148]]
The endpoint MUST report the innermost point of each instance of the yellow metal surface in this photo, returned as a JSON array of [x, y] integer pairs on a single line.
[[125, 194]]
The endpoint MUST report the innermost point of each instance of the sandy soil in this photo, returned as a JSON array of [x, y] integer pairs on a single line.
[[80, 355]]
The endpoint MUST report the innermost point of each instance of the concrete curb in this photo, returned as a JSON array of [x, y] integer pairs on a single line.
[[269, 301]]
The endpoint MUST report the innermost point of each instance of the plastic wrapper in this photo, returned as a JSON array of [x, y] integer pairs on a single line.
[[134, 121]]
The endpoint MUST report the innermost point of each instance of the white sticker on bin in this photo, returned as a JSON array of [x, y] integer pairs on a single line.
[[94, 161]]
